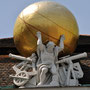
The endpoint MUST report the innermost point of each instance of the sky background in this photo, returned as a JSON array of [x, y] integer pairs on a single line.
[[10, 9]]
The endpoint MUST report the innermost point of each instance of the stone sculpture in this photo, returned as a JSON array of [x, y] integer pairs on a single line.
[[43, 68], [48, 55]]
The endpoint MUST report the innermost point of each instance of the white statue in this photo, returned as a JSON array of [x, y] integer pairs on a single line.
[[47, 57], [43, 68]]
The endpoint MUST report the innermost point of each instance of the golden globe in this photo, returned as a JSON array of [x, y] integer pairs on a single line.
[[52, 20]]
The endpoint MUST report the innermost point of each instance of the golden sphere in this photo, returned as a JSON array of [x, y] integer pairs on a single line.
[[52, 20]]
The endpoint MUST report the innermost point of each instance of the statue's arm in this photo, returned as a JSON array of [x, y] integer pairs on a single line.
[[61, 43], [40, 45]]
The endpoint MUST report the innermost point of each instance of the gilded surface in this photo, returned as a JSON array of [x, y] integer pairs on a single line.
[[52, 20]]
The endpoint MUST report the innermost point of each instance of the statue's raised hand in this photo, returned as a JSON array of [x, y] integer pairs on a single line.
[[62, 37], [38, 34]]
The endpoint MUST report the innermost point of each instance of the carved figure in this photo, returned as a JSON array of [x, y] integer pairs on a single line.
[[47, 58], [44, 67]]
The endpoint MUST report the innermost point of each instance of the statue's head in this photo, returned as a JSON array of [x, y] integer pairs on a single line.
[[50, 45]]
